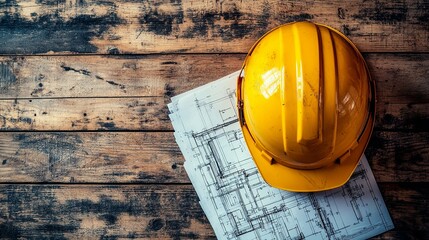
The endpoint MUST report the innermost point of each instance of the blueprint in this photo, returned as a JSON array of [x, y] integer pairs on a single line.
[[235, 198]]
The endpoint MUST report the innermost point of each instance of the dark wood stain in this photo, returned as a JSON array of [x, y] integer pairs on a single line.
[[169, 90], [238, 28], [163, 114], [263, 19], [121, 86], [405, 154], [169, 63], [297, 17], [410, 117], [190, 235], [405, 203], [152, 178], [81, 71], [21, 120], [55, 229], [341, 13], [7, 78], [9, 231], [113, 51], [386, 13], [414, 119], [21, 196], [159, 22], [153, 204], [59, 148], [53, 32], [236, 25], [109, 218], [107, 126], [348, 30], [155, 224], [423, 15], [387, 119], [87, 73]]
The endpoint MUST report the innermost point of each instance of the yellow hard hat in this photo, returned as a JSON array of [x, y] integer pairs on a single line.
[[306, 106]]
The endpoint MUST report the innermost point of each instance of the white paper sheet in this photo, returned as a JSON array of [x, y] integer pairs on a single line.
[[237, 201]]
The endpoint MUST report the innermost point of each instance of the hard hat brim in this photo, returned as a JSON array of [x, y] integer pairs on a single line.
[[299, 180]]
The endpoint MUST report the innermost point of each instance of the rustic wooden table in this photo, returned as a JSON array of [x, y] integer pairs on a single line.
[[86, 145]]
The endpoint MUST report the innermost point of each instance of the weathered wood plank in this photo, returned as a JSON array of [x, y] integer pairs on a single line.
[[148, 211], [91, 157], [103, 76], [412, 116], [138, 157], [113, 27], [402, 104], [400, 78], [94, 211], [399, 156], [407, 205], [148, 113]]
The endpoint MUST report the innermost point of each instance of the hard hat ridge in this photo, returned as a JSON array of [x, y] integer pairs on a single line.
[[305, 100]]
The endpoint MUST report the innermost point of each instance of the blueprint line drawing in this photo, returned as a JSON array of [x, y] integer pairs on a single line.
[[239, 203]]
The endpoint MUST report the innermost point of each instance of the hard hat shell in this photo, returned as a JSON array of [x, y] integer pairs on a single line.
[[306, 106]]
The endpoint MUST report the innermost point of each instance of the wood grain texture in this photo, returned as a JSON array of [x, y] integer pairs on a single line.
[[85, 114], [148, 211], [115, 27], [101, 212], [75, 92], [139, 157], [399, 156], [150, 114], [111, 76], [79, 157], [406, 200], [400, 78]]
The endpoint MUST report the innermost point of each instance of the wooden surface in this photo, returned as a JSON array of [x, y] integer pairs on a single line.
[[86, 146]]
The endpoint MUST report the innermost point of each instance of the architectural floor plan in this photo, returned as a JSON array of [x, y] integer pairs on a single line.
[[237, 201]]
